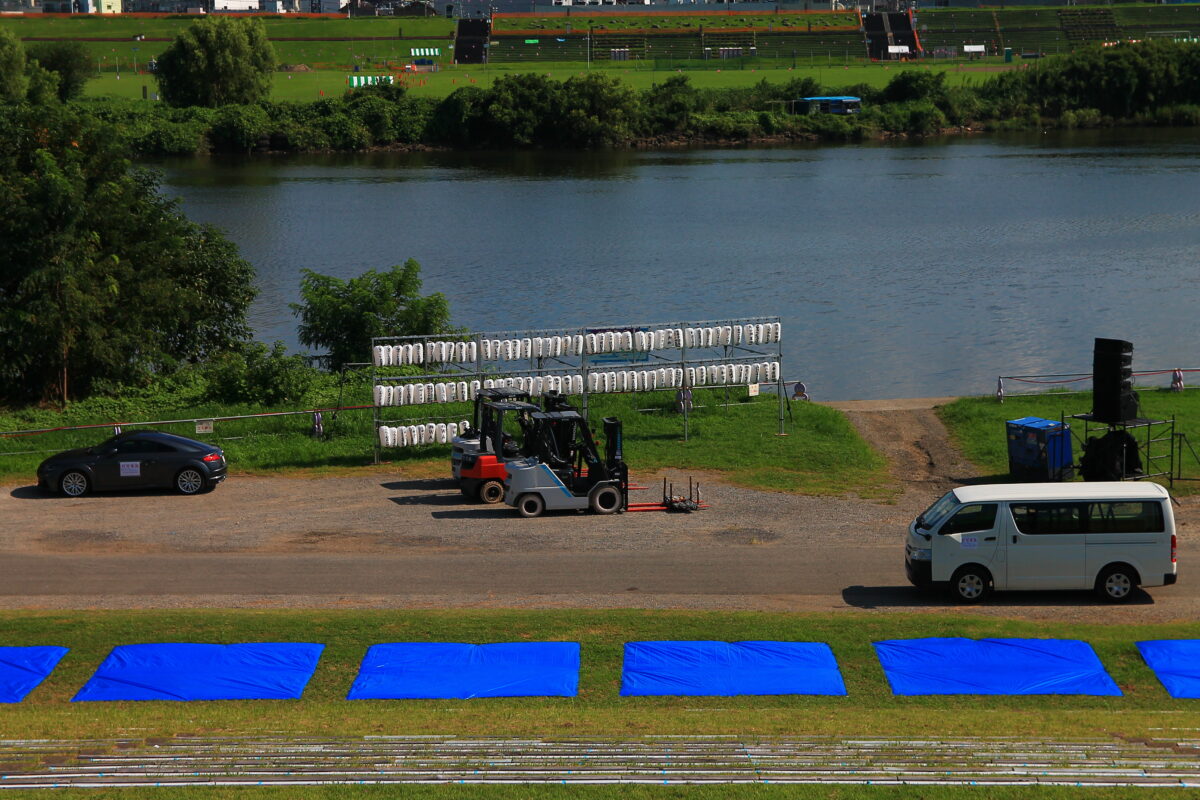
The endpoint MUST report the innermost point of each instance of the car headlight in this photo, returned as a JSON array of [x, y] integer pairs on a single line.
[[920, 555]]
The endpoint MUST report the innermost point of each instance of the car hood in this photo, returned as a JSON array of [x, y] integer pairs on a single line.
[[69, 455]]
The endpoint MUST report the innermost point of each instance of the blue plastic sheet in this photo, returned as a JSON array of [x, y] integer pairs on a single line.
[[729, 668], [1176, 663], [993, 666], [412, 670], [257, 671], [23, 668]]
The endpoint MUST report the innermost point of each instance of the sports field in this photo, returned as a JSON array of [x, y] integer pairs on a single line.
[[316, 84]]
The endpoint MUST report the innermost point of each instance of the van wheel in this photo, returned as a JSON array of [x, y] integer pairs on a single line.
[[491, 492], [971, 584], [605, 500], [1116, 583], [530, 505]]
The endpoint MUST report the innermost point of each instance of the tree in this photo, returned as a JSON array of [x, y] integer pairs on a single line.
[[217, 61], [343, 316], [104, 280], [12, 68], [69, 60]]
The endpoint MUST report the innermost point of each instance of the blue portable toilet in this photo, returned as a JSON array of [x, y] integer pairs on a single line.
[[1039, 450]]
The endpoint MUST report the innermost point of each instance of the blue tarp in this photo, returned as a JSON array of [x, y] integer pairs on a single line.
[[23, 668], [412, 670], [257, 671], [1176, 662], [993, 666], [729, 668]]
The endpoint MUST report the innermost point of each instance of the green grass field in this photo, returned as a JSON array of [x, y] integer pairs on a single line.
[[822, 455], [310, 85], [977, 425], [598, 710]]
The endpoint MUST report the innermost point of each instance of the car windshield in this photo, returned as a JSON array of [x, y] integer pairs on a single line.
[[931, 516]]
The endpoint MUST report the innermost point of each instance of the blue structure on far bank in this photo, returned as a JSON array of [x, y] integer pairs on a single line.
[[1039, 450]]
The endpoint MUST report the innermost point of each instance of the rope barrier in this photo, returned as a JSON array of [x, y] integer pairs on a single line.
[[38, 431]]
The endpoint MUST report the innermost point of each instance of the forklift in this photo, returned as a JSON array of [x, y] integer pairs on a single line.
[[563, 469], [476, 462]]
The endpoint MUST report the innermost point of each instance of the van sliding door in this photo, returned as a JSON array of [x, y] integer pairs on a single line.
[[1046, 547]]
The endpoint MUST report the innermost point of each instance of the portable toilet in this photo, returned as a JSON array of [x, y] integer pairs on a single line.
[[1039, 450]]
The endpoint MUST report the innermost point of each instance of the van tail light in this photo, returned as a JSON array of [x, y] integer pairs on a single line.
[[1172, 548], [217, 457]]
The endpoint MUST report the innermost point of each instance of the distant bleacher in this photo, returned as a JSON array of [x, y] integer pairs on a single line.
[[1085, 25]]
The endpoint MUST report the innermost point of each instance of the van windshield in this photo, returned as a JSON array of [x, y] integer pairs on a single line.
[[931, 516]]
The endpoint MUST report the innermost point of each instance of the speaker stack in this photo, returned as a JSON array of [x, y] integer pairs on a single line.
[[1113, 399]]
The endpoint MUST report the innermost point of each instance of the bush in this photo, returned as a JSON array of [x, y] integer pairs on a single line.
[[239, 129], [255, 374]]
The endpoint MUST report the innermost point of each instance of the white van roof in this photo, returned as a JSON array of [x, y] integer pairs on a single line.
[[1098, 490]]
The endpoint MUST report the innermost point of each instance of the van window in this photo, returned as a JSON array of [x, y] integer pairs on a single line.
[[1130, 517], [977, 517], [1047, 518]]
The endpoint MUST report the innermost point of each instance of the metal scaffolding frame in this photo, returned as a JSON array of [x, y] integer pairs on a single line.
[[1156, 432], [583, 364]]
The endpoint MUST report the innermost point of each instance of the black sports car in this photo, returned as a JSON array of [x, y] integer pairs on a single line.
[[135, 460]]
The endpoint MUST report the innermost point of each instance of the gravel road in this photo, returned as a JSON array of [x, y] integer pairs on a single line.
[[382, 540]]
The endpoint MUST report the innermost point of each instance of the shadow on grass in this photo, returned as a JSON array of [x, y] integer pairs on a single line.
[[869, 597]]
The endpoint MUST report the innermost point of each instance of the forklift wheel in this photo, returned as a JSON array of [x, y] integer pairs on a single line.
[[605, 500], [491, 492], [530, 505]]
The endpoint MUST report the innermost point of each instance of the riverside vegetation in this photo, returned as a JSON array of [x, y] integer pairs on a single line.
[[1155, 82], [1149, 83]]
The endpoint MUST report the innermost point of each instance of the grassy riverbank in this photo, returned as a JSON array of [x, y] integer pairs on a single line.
[[869, 708], [822, 453], [976, 425]]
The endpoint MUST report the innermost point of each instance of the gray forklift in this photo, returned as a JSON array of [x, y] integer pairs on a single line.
[[478, 454], [562, 468]]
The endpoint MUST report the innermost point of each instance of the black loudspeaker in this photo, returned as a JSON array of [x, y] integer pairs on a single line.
[[1113, 398]]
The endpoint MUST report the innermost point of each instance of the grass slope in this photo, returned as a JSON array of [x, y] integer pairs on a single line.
[[598, 711], [976, 425]]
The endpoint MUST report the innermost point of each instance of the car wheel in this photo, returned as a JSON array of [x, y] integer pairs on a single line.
[[74, 484], [971, 584], [605, 500], [530, 505], [1116, 583], [189, 481], [491, 492]]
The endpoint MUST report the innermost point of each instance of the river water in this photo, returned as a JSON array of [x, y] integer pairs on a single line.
[[904, 270]]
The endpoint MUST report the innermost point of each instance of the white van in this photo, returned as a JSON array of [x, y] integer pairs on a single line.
[[1110, 537]]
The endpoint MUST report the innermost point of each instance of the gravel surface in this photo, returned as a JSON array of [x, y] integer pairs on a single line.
[[382, 540]]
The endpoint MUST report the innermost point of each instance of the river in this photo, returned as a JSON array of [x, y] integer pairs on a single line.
[[900, 270]]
